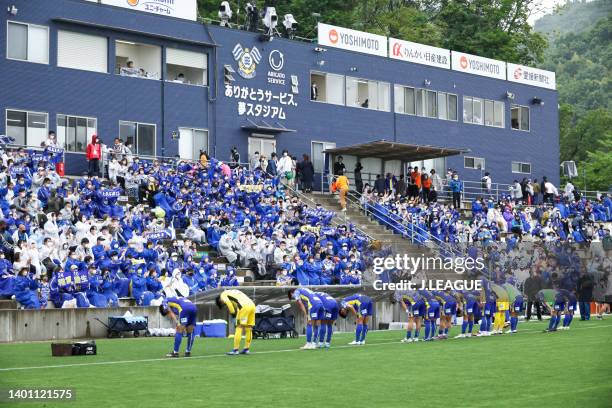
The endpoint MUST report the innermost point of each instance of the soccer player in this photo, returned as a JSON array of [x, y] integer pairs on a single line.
[[313, 308], [470, 311], [569, 312], [502, 305], [431, 315], [559, 304], [331, 315], [448, 307], [183, 313], [242, 308], [413, 304], [517, 308], [489, 307], [361, 306]]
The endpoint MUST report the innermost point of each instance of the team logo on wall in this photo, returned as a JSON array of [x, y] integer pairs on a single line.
[[247, 60], [276, 59]]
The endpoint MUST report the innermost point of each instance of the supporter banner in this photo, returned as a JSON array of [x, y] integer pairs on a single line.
[[185, 9], [18, 170], [110, 193], [251, 188], [163, 234], [531, 76], [419, 53], [310, 228], [352, 40], [54, 150], [476, 65]]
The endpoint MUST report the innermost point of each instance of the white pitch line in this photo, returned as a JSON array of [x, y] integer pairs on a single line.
[[224, 355]]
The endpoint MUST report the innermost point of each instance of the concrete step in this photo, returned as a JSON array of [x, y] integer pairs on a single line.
[[6, 304]]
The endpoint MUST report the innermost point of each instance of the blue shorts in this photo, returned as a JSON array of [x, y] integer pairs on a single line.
[[450, 308], [187, 317], [433, 310], [490, 308], [559, 306], [471, 307], [418, 309], [331, 310], [518, 306], [316, 312], [571, 306], [365, 309]]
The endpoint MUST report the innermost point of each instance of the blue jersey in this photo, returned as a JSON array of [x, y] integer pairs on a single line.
[[360, 303], [312, 302], [330, 305], [183, 309]]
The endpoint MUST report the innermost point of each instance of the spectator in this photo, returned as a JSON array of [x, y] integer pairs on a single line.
[[456, 187], [415, 183], [93, 155], [516, 192], [584, 290], [436, 184], [426, 185], [401, 186], [51, 140], [535, 186], [234, 159], [379, 185], [533, 284], [339, 167], [271, 167], [342, 185], [254, 163], [550, 191], [358, 178], [306, 173], [486, 183], [569, 190], [284, 167]]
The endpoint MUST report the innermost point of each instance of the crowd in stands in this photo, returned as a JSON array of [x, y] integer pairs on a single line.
[[78, 243], [528, 231]]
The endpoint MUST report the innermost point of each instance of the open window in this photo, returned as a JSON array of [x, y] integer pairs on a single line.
[[137, 60], [327, 88], [186, 67]]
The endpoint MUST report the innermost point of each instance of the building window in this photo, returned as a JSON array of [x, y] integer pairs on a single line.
[[447, 106], [27, 128], [186, 67], [192, 142], [363, 93], [477, 163], [75, 132], [82, 51], [518, 167], [520, 117], [494, 113], [27, 42], [141, 135], [137, 60], [327, 88]]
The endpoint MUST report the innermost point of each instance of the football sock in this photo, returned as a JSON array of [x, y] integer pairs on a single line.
[[551, 324], [408, 334], [513, 323], [308, 333], [190, 339], [364, 331], [464, 326], [470, 326], [569, 320], [315, 333], [249, 337], [330, 331], [427, 329], [322, 329], [417, 333], [432, 331], [178, 338], [358, 332], [237, 337], [557, 321]]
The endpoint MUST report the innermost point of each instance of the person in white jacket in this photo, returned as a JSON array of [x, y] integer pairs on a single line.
[[113, 169], [285, 166]]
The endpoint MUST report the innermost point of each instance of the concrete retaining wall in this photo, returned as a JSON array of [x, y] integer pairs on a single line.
[[62, 324]]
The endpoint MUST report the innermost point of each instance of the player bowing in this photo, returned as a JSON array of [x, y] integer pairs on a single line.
[[183, 313], [361, 306], [312, 306], [326, 328], [242, 308]]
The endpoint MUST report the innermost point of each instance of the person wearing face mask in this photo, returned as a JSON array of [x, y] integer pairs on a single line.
[[456, 187], [285, 167]]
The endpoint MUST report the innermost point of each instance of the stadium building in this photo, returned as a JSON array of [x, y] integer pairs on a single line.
[[150, 73]]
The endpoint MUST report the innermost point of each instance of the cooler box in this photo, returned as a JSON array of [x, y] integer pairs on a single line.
[[211, 328]]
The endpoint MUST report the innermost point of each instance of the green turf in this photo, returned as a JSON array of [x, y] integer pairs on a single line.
[[528, 369]]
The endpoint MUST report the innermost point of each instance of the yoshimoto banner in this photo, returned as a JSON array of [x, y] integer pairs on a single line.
[[473, 64], [186, 9], [352, 40], [531, 76], [419, 53]]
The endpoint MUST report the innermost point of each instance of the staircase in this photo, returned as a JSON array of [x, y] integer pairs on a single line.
[[399, 245]]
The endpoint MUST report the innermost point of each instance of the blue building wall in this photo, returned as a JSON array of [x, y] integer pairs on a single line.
[[111, 98]]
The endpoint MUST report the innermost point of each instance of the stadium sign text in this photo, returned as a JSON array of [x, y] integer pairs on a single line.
[[437, 284], [185, 9], [419, 53], [531, 76], [473, 64], [352, 40]]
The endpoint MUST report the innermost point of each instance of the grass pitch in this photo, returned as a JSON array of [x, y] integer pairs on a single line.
[[529, 369]]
